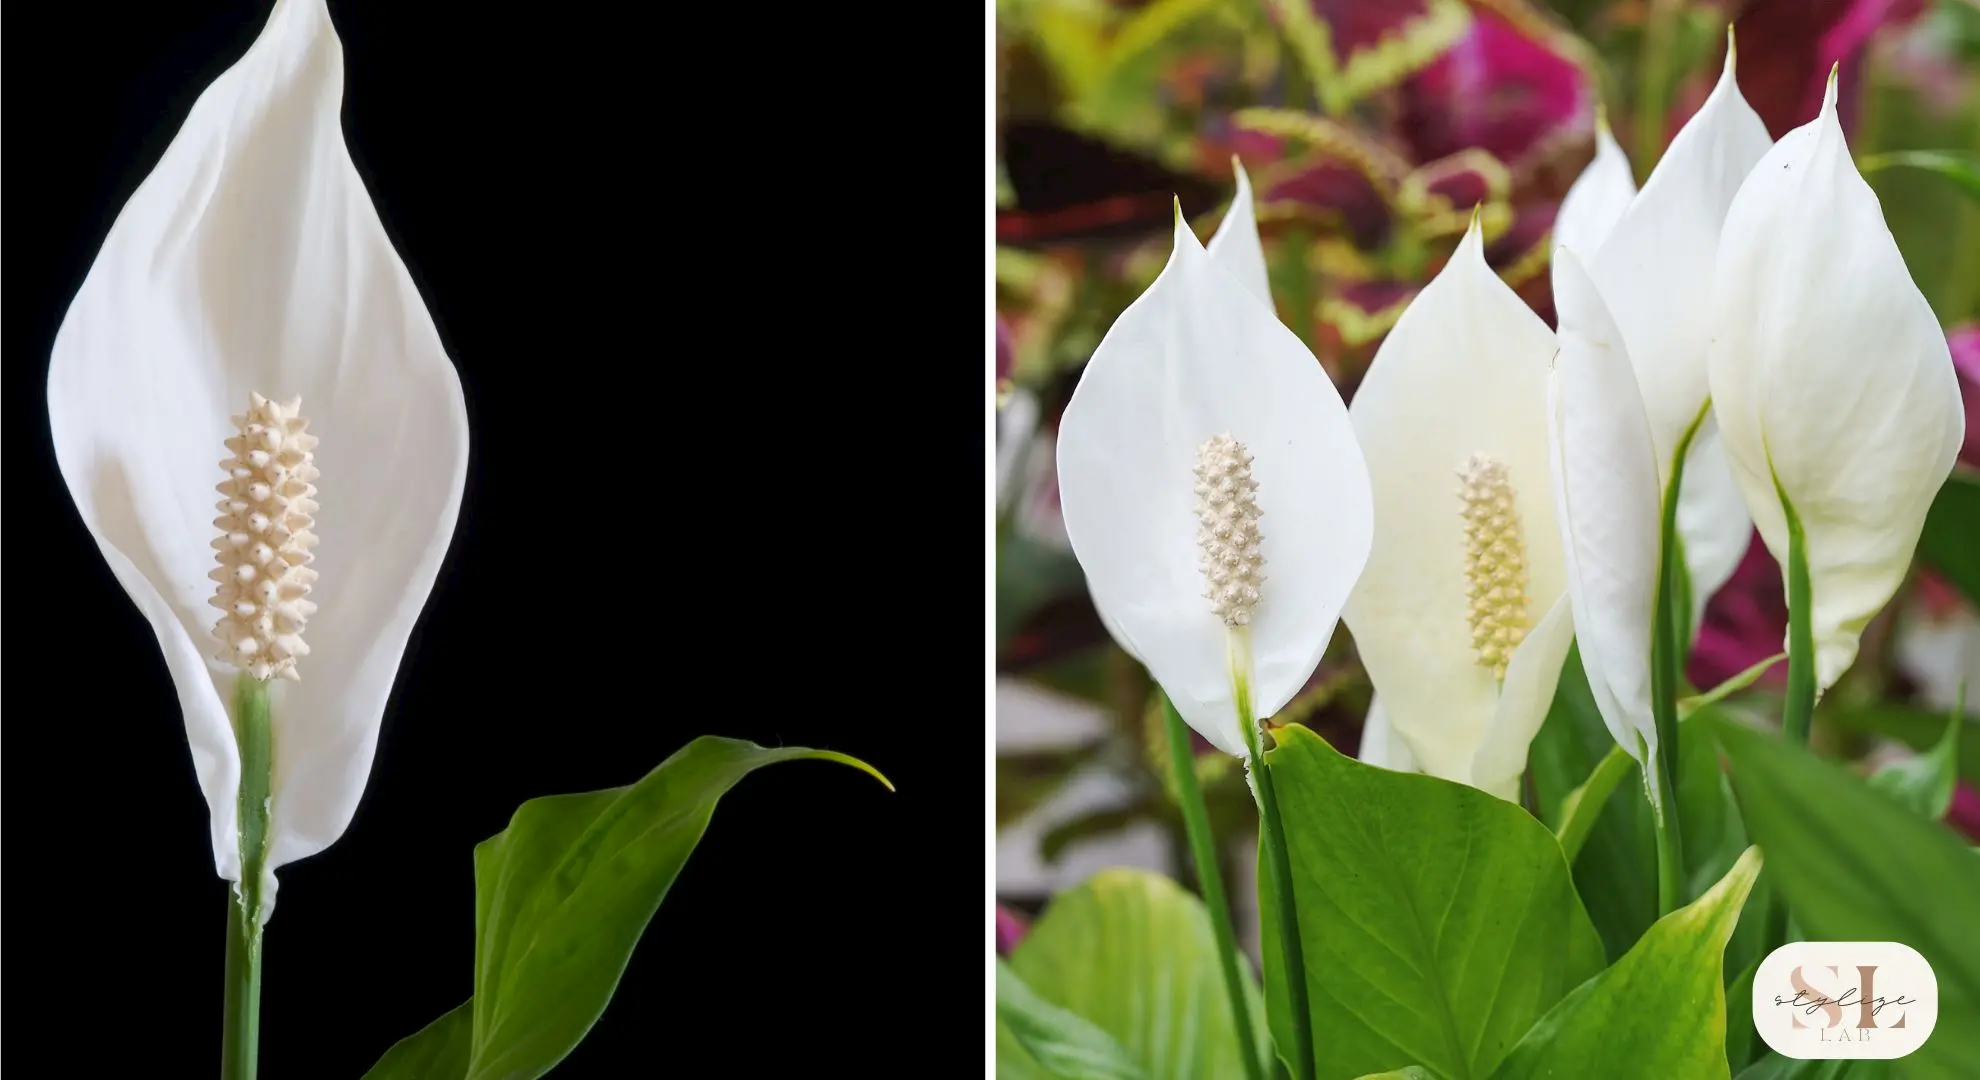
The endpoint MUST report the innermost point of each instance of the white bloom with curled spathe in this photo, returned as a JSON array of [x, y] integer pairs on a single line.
[[1236, 247], [1214, 495], [1832, 380], [1652, 258], [1462, 617], [251, 261]]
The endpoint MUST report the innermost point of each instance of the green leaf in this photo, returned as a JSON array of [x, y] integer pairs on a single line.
[[1414, 1072], [1731, 686], [1950, 526], [1917, 728], [1660, 1011], [1584, 805], [1742, 1042], [1924, 784], [1615, 865], [1135, 955], [1963, 169], [561, 898], [1855, 866], [438, 1051], [1438, 922], [1037, 1040], [1776, 1067]]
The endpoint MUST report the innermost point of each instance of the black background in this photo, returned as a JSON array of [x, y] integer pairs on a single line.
[[757, 247]]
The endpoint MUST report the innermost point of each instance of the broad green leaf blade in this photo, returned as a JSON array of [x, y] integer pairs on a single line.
[[1910, 725], [1742, 1041], [1950, 526], [508, 867], [1414, 1072], [1584, 805], [1438, 922], [564, 893], [438, 1051], [1037, 1040], [1660, 1011], [1615, 863], [1855, 866], [1135, 955], [1924, 784], [1776, 1067], [1963, 169]]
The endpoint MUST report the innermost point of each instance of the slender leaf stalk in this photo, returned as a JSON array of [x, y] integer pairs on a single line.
[[1203, 848]]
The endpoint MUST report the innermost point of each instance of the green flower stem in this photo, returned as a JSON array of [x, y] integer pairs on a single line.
[[1278, 861], [1196, 821], [1668, 645], [1798, 715], [242, 1028]]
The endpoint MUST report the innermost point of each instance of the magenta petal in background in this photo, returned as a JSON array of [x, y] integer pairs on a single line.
[[1965, 342], [1010, 929], [1745, 623], [1500, 90], [1786, 48], [1003, 350]]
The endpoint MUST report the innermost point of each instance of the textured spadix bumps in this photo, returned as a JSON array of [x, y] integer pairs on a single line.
[[252, 259], [266, 512], [1494, 563], [1227, 529], [1198, 356]]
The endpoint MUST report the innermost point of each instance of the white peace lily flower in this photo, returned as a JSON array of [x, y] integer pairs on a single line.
[[1461, 616], [1832, 380], [1606, 493], [1652, 266], [1213, 493], [1379, 745], [1598, 197], [1237, 248], [251, 261]]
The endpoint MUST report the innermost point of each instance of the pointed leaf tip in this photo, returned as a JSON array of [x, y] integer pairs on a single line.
[[1177, 199], [848, 759], [1732, 48]]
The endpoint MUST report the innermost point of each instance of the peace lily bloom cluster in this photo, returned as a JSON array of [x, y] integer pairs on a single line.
[[1739, 342]]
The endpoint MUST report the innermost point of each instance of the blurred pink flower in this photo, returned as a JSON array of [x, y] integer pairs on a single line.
[[1517, 92], [1003, 350], [1964, 813], [1010, 928], [1965, 342], [1786, 48], [1745, 623]]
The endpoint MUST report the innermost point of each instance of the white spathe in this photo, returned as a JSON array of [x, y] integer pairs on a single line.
[[1236, 247], [1598, 197], [252, 260], [1653, 268], [1379, 745], [1463, 375], [1831, 378], [1196, 356], [1606, 491]]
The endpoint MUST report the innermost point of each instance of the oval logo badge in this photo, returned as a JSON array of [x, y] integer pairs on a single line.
[[1821, 1000]]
